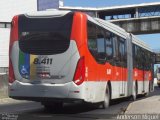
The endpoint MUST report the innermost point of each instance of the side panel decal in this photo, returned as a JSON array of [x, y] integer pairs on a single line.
[[26, 67], [32, 67]]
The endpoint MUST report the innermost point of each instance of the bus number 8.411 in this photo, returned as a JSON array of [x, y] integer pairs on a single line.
[[43, 61]]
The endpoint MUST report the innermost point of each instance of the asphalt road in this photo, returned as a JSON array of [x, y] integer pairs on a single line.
[[78, 111]]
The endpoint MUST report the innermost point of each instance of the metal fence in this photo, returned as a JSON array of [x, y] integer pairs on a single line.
[[3, 85]]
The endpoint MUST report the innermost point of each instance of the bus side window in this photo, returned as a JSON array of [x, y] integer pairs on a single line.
[[109, 45], [115, 47], [121, 49], [137, 54], [134, 55], [92, 39], [101, 46], [146, 60], [140, 58]]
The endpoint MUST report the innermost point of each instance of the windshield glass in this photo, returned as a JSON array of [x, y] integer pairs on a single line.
[[45, 36]]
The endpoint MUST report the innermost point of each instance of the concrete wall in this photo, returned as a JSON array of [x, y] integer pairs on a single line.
[[4, 46], [9, 8], [3, 86], [4, 70]]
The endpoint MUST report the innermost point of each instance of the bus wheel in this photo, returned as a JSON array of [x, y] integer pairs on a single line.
[[134, 93], [106, 101]]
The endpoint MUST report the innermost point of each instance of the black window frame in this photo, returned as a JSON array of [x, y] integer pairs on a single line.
[[46, 35], [114, 39], [110, 46], [122, 43], [99, 57]]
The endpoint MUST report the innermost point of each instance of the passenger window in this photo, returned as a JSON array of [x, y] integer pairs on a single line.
[[140, 58], [109, 45], [134, 52], [101, 45], [121, 49], [92, 39], [92, 45], [115, 47], [136, 56]]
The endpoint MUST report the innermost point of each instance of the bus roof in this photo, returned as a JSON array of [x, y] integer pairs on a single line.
[[139, 42], [49, 13]]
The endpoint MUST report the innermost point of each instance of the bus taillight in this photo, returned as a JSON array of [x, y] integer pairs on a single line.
[[13, 38], [11, 73], [80, 72], [14, 32]]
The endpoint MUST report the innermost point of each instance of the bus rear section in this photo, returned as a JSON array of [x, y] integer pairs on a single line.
[[45, 64]]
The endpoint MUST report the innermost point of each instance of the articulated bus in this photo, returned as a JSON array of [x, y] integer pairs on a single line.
[[64, 56]]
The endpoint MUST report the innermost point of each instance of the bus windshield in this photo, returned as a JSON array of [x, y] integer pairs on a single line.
[[44, 36]]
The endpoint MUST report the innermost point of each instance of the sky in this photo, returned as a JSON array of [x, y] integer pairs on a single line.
[[152, 39], [104, 3]]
